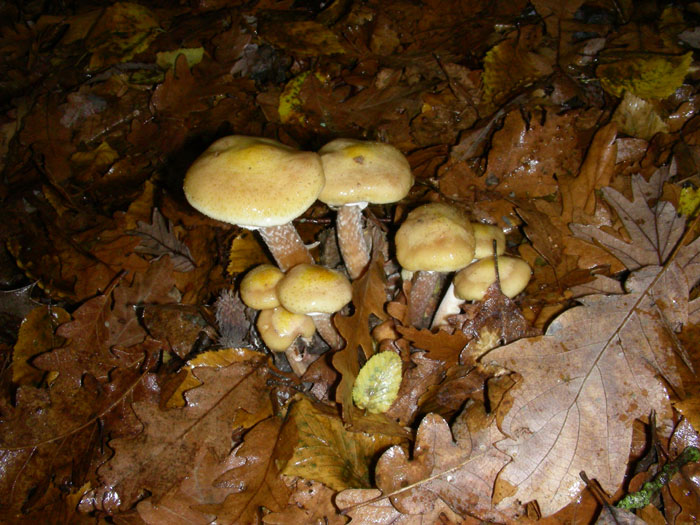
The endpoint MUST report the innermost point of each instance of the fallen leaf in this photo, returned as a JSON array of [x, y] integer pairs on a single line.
[[158, 239], [377, 383], [254, 482], [457, 471], [645, 75], [162, 455], [325, 451], [368, 297]]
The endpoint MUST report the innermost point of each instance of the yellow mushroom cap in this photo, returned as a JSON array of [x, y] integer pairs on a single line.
[[472, 282], [361, 171], [435, 237], [279, 327], [484, 235], [259, 287], [253, 182], [310, 288]]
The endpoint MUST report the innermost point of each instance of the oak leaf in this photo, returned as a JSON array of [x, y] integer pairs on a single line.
[[254, 482], [164, 452], [368, 297], [596, 368], [158, 239], [454, 468]]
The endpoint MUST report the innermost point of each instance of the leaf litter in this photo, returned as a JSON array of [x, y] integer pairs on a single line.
[[134, 386]]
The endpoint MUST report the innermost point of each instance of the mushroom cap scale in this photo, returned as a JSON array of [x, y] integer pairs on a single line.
[[359, 171], [310, 288], [472, 282], [435, 237], [253, 182]]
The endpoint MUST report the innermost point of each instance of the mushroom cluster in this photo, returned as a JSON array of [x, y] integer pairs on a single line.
[[262, 184]]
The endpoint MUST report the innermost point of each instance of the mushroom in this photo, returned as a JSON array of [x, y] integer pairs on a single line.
[[472, 282], [316, 291], [258, 287], [257, 183], [484, 237], [357, 173], [433, 240], [279, 329]]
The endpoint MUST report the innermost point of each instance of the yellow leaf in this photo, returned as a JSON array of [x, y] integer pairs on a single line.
[[325, 451], [245, 252], [123, 30], [193, 55], [377, 384], [290, 105], [645, 75], [102, 156], [637, 117], [689, 202]]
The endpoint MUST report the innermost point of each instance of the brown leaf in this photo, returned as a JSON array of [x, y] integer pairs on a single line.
[[416, 382], [368, 297], [440, 346], [310, 502], [595, 369], [684, 487], [98, 327], [164, 453], [458, 472], [158, 239], [254, 482]]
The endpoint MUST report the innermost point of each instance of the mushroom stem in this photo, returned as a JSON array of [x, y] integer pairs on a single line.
[[423, 297], [328, 332], [450, 305], [351, 239], [286, 245]]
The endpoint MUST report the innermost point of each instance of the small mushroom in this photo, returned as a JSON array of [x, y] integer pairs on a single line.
[[357, 173], [472, 282], [258, 287], [279, 329], [435, 239], [257, 183], [484, 237], [318, 292]]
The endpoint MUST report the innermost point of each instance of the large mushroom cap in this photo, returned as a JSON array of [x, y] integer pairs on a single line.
[[359, 171], [253, 182], [310, 288], [472, 282], [435, 237]]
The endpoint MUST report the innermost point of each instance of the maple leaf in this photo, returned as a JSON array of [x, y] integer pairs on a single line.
[[325, 451], [368, 297], [595, 369], [162, 455], [458, 473], [158, 239]]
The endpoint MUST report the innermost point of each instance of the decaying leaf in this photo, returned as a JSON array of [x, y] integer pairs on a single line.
[[455, 468], [377, 384], [162, 455], [645, 75], [325, 451], [158, 239], [368, 297], [597, 366]]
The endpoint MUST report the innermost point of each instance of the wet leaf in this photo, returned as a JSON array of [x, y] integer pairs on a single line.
[[644, 75], [325, 451], [158, 239], [377, 384]]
